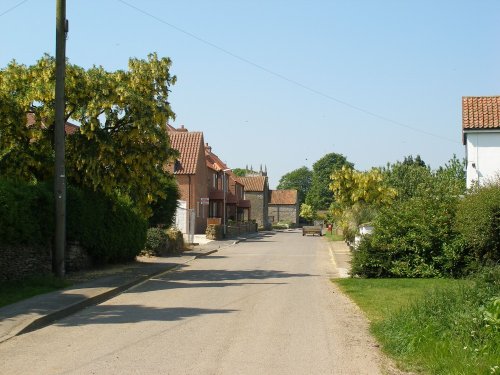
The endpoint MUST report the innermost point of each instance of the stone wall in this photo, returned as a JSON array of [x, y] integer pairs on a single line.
[[259, 204], [241, 228], [76, 258], [19, 262], [283, 213]]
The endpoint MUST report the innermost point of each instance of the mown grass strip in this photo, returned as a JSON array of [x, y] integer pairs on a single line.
[[14, 291], [434, 326]]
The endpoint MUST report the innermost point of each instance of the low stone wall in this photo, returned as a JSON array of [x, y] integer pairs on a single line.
[[241, 228], [19, 262], [76, 258]]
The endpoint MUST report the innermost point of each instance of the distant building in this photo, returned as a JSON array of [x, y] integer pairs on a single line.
[[257, 192], [481, 137], [284, 206]]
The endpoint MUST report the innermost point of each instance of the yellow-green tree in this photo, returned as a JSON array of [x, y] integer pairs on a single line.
[[307, 212], [358, 195], [122, 146]]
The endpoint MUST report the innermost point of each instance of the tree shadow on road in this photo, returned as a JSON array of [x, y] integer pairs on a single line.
[[121, 314]]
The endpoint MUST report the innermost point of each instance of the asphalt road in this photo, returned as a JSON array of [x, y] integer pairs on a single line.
[[264, 306]]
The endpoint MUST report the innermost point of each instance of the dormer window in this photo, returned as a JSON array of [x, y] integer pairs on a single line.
[[177, 166]]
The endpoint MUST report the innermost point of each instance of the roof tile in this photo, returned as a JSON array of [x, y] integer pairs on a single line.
[[288, 197], [188, 145], [480, 112], [255, 183]]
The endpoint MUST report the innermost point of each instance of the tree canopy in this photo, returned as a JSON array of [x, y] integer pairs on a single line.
[[320, 196], [299, 179], [122, 144]]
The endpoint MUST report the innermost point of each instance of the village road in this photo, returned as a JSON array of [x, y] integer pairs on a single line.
[[264, 306]]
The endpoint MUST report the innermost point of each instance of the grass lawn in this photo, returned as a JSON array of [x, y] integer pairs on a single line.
[[379, 298], [14, 291], [333, 237], [432, 326]]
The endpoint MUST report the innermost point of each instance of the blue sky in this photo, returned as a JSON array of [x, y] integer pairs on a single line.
[[283, 82]]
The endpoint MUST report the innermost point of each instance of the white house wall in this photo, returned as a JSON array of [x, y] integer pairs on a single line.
[[483, 156]]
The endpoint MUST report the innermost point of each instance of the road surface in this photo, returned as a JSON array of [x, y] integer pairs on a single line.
[[264, 306]]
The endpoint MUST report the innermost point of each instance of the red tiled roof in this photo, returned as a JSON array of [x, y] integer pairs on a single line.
[[255, 183], [69, 128], [188, 144], [480, 112], [283, 197], [213, 161]]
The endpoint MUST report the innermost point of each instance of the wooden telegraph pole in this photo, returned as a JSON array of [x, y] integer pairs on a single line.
[[59, 170]]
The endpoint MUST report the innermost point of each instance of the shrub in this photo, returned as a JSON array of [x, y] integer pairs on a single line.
[[157, 242], [410, 239], [478, 221], [164, 209], [176, 240], [214, 232]]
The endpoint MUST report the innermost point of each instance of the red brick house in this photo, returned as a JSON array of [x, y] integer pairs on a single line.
[[220, 178], [201, 177], [191, 175]]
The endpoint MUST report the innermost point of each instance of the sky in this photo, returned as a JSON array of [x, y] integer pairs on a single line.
[[281, 83]]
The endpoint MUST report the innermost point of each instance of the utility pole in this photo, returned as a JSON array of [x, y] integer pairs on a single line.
[[59, 169]]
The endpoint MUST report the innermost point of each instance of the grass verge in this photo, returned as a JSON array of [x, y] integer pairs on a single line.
[[14, 291], [434, 326], [334, 237]]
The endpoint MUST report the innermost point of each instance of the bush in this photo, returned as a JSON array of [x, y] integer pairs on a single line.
[[157, 242], [165, 208], [478, 221], [176, 240], [26, 213], [214, 232], [411, 239]]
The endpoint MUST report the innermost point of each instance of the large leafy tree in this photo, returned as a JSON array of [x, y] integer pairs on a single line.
[[320, 196], [122, 146], [299, 179]]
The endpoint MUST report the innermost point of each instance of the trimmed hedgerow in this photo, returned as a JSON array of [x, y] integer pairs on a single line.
[[108, 228], [26, 213]]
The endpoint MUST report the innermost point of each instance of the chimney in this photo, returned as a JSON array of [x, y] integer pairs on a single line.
[[209, 148], [182, 129]]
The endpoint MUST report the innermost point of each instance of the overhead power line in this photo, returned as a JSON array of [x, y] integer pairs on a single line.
[[284, 78], [12, 8]]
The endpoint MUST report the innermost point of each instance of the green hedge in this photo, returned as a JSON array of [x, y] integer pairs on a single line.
[[108, 228], [26, 214]]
